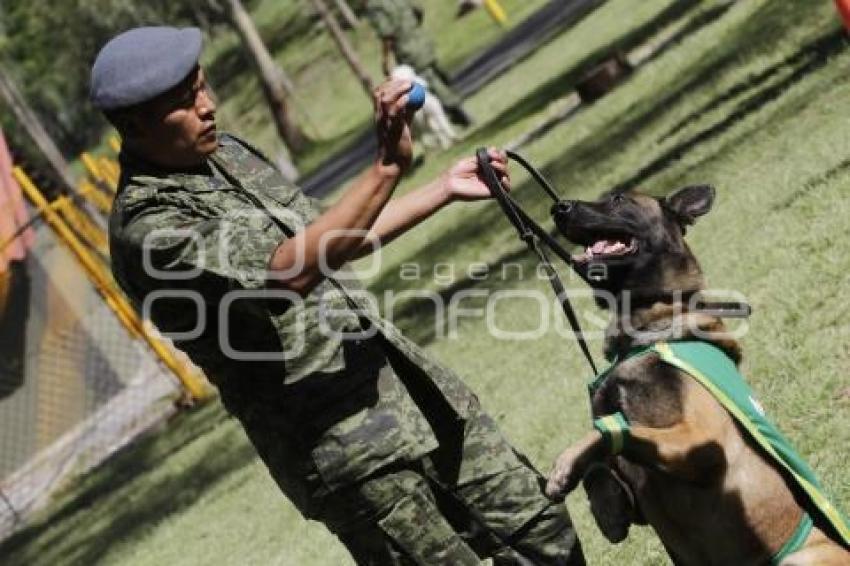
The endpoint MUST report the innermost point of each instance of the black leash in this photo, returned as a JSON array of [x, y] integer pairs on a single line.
[[532, 234]]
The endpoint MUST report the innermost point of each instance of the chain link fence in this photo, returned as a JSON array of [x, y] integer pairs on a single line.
[[80, 374], [75, 385]]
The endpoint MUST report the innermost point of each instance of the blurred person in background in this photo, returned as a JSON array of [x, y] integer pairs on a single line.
[[398, 24]]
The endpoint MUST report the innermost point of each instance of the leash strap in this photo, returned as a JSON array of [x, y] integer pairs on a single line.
[[532, 233], [541, 180], [541, 233], [563, 298]]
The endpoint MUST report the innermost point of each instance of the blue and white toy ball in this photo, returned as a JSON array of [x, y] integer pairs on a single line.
[[416, 97]]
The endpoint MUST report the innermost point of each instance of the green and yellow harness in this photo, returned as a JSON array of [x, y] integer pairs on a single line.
[[715, 371]]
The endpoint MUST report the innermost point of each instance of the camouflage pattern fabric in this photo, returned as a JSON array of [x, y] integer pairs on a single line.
[[401, 21], [472, 497], [332, 396]]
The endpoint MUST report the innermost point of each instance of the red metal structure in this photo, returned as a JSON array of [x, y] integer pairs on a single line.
[[844, 9]]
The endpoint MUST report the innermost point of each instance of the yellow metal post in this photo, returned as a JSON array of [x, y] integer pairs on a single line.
[[97, 173], [58, 205], [114, 144], [91, 166], [496, 11], [82, 224], [110, 170], [95, 196], [193, 384]]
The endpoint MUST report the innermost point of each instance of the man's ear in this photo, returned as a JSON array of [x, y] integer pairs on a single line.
[[689, 203]]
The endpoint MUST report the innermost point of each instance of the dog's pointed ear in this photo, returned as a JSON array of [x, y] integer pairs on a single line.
[[689, 203]]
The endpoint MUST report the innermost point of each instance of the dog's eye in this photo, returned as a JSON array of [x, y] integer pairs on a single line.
[[617, 199]]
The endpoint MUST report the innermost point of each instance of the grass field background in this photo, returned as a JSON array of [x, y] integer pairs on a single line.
[[754, 100]]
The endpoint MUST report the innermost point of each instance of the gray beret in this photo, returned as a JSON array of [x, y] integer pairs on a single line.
[[141, 63]]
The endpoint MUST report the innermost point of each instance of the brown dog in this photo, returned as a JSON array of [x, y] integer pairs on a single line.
[[687, 466]]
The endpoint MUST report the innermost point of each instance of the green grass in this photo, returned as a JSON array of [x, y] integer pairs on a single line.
[[755, 102]]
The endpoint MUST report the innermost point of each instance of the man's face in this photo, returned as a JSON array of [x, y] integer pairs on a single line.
[[178, 127]]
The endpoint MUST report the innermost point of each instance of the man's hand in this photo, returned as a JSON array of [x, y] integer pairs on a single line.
[[462, 181], [392, 122]]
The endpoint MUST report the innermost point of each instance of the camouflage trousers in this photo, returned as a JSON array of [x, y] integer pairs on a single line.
[[473, 498]]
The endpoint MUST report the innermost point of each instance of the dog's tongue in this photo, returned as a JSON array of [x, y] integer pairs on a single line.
[[607, 247]]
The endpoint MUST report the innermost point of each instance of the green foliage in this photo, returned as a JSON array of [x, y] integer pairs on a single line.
[[50, 51]]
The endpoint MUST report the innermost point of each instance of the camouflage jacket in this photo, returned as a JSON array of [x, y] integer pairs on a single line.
[[401, 21], [315, 395]]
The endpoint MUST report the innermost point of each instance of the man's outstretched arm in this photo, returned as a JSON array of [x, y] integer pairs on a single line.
[[459, 183]]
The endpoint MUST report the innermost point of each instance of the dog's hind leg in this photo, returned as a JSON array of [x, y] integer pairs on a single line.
[[611, 502]]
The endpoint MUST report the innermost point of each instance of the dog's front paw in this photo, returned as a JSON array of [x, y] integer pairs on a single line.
[[564, 476]]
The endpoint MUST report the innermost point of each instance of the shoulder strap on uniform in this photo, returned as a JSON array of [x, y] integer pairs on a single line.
[[259, 154]]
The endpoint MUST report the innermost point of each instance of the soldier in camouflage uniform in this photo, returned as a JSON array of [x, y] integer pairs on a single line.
[[398, 24], [358, 426]]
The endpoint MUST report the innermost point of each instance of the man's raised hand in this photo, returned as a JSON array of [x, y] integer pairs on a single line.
[[392, 123]]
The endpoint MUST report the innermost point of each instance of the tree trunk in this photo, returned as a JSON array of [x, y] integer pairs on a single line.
[[33, 126], [272, 79], [347, 14], [344, 47]]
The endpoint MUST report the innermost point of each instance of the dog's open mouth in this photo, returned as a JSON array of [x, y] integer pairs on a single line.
[[607, 249]]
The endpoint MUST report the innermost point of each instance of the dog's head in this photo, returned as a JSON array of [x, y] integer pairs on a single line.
[[634, 242]]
